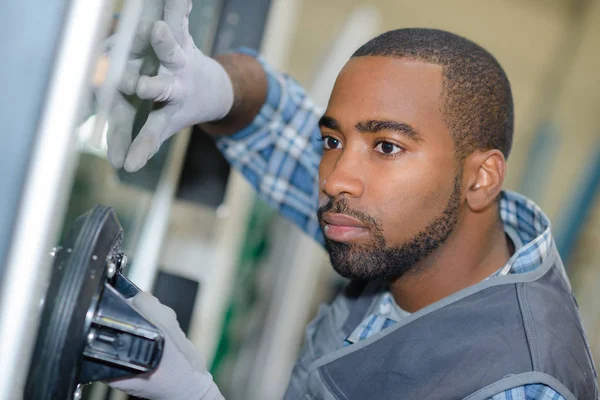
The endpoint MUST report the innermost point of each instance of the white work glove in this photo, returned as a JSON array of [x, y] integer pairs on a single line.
[[192, 88], [181, 373]]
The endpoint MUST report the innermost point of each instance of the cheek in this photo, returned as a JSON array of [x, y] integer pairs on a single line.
[[407, 199]]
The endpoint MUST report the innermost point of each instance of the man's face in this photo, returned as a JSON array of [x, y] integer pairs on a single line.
[[390, 185]]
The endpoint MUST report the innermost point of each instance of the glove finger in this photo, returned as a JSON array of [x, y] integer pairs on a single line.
[[120, 125], [148, 141], [176, 17], [130, 78], [162, 316], [152, 11], [154, 311], [158, 88], [166, 320], [168, 51]]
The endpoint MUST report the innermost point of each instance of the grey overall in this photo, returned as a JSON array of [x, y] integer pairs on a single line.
[[502, 333]]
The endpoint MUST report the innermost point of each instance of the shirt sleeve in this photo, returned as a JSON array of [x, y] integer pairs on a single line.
[[280, 151], [529, 392]]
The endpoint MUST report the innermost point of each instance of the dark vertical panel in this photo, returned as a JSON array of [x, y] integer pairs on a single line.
[[242, 24], [205, 171], [179, 294]]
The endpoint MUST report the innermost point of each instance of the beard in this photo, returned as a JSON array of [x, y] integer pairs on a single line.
[[375, 260]]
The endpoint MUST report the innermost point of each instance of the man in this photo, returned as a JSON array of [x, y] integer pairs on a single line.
[[457, 289]]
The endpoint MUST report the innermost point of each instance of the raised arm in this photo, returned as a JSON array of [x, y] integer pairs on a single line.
[[249, 83], [263, 121], [280, 149]]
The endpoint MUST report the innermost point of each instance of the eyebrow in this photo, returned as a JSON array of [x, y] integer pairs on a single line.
[[374, 126], [328, 122]]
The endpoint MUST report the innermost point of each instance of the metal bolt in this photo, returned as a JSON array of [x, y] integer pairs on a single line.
[[78, 394], [111, 270], [94, 257], [54, 251], [124, 261], [91, 336]]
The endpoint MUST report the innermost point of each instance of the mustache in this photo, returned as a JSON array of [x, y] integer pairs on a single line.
[[342, 206]]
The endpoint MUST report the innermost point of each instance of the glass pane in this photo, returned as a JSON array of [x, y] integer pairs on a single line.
[[96, 181]]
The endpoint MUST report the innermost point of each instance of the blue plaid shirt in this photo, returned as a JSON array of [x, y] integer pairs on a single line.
[[279, 154]]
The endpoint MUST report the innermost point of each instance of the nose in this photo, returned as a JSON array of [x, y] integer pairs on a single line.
[[343, 178]]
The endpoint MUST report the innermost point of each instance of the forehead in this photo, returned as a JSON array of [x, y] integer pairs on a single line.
[[393, 88]]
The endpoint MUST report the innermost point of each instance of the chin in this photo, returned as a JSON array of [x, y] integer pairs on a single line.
[[354, 263], [358, 262]]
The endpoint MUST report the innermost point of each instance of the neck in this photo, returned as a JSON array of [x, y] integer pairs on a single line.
[[476, 249]]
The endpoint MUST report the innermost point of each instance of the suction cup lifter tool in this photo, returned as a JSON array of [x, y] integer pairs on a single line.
[[88, 330]]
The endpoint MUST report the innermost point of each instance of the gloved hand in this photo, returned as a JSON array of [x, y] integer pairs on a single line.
[[181, 373], [193, 88]]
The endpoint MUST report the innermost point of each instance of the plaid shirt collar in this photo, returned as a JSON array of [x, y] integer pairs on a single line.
[[524, 220]]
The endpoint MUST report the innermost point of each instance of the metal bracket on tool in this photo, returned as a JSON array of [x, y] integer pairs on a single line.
[[89, 331]]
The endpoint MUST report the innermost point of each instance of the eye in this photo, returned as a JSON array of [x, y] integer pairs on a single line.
[[388, 148], [330, 143]]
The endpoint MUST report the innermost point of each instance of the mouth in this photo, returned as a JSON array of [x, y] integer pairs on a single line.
[[344, 228]]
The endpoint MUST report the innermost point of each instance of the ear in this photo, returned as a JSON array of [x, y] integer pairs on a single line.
[[485, 172]]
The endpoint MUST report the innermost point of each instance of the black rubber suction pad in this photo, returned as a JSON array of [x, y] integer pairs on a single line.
[[88, 331]]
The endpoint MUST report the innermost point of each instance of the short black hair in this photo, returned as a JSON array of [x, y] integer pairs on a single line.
[[477, 99]]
